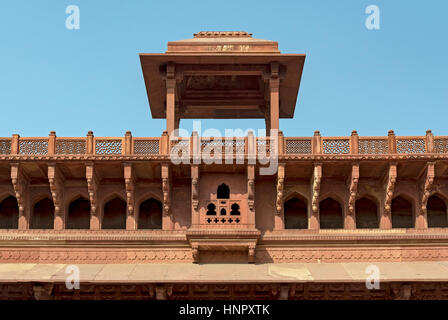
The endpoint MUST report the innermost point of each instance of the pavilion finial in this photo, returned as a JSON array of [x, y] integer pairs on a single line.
[[222, 34]]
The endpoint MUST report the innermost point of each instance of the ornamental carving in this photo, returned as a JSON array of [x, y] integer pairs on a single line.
[[20, 183], [353, 188], [56, 181], [195, 187], [129, 182], [427, 186], [92, 187], [391, 178], [280, 185], [317, 176], [298, 146], [166, 189]]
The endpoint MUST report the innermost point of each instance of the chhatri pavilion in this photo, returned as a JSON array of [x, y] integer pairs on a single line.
[[241, 217]]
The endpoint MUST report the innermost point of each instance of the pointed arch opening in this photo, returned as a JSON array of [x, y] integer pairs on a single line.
[[9, 213], [150, 214], [114, 215], [43, 215], [436, 212], [211, 209], [223, 191], [330, 212], [79, 214], [402, 213], [366, 214], [235, 210], [296, 213]]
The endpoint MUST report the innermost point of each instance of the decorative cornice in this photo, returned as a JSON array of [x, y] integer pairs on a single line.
[[292, 157]]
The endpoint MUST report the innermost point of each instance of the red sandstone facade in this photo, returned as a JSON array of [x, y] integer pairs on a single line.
[[122, 200]]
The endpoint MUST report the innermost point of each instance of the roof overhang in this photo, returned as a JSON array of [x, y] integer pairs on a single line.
[[292, 64]]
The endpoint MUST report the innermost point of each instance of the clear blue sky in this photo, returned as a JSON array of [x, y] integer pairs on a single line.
[[72, 81]]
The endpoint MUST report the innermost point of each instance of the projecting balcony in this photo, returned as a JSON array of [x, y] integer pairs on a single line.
[[222, 213]]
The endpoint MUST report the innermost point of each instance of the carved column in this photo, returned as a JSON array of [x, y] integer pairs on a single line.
[[421, 219], [389, 186], [56, 180], [350, 219], [195, 195], [92, 188], [279, 223], [170, 98], [315, 194], [167, 220], [129, 181], [274, 88], [251, 195], [20, 183]]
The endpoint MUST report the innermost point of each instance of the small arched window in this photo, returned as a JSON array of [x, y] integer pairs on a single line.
[[235, 210], [223, 192], [211, 210], [79, 214]]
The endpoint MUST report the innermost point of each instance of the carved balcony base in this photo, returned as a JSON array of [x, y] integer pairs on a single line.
[[226, 242]]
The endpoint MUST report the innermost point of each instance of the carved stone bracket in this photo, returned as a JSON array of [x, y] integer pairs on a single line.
[[195, 253], [92, 187], [427, 185], [391, 178], [129, 182], [166, 189], [281, 291], [56, 180], [353, 189], [195, 187], [317, 176], [43, 291], [251, 253], [163, 292], [280, 185], [402, 291], [251, 187], [20, 185]]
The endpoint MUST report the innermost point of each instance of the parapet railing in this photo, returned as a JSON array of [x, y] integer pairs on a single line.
[[128, 145]]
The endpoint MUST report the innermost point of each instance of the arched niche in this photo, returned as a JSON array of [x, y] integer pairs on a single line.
[[150, 214], [330, 214], [78, 216], [295, 212], [114, 214]]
